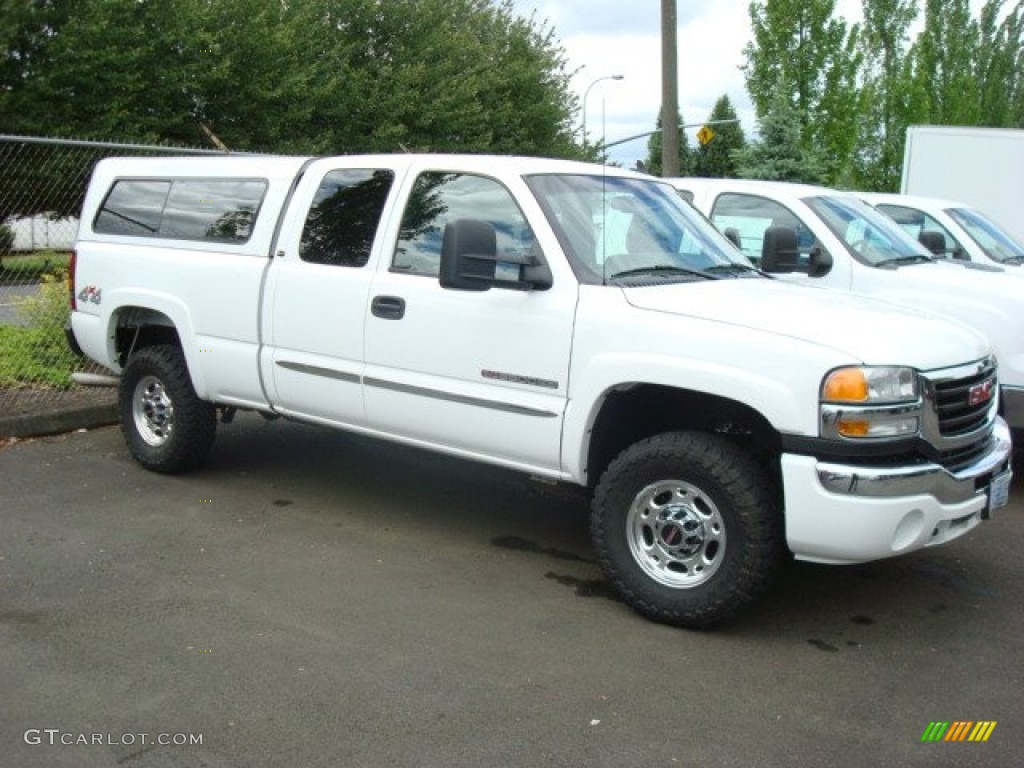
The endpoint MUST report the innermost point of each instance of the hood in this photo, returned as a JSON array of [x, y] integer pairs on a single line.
[[872, 331]]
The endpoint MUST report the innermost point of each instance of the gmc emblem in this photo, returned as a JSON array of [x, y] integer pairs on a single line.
[[982, 393]]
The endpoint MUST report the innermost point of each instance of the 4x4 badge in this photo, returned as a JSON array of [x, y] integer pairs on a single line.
[[91, 293]]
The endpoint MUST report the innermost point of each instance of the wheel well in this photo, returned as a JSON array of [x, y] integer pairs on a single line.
[[643, 410], [137, 327]]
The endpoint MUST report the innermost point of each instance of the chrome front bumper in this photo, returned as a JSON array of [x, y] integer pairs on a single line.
[[928, 479]]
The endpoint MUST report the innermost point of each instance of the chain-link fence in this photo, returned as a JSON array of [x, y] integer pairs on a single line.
[[42, 185]]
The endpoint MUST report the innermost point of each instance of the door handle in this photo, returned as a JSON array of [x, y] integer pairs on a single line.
[[388, 307]]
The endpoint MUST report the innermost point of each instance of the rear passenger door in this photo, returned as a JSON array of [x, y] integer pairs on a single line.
[[315, 299]]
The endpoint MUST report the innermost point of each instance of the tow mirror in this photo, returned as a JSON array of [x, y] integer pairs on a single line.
[[779, 252], [470, 261], [933, 241], [820, 262]]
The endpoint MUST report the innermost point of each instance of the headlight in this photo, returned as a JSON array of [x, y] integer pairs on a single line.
[[870, 385], [871, 402]]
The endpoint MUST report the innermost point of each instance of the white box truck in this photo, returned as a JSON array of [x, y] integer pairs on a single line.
[[982, 167]]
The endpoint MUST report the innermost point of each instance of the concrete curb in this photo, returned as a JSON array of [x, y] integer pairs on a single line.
[[58, 421]]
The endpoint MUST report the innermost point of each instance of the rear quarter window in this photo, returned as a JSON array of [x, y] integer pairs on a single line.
[[215, 210]]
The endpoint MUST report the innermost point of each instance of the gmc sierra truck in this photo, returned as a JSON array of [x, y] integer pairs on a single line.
[[575, 322]]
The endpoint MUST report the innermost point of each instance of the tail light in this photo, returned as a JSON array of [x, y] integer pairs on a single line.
[[71, 279]]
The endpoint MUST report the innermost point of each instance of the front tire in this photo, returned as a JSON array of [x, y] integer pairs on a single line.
[[687, 528], [167, 427]]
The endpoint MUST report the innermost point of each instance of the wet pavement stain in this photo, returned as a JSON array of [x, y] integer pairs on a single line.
[[20, 617], [821, 645], [283, 502], [862, 620], [584, 587], [519, 544], [950, 579]]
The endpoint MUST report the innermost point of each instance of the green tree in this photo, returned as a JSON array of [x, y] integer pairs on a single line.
[[655, 143], [944, 64], [886, 99], [301, 76], [716, 159], [802, 43], [1000, 64], [779, 153]]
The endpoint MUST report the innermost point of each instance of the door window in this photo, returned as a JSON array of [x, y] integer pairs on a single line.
[[914, 222], [438, 198], [750, 216], [343, 219]]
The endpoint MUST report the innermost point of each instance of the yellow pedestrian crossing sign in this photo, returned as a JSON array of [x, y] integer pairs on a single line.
[[705, 135]]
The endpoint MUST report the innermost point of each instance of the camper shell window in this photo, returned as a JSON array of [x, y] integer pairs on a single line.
[[216, 210]]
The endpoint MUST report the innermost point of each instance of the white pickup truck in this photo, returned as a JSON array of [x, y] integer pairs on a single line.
[[950, 229], [571, 321], [820, 236]]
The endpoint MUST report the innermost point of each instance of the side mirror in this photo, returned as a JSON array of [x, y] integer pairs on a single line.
[[820, 262], [470, 261], [933, 241], [733, 236], [779, 252]]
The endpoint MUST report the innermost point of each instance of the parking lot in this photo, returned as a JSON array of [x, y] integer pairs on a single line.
[[317, 599]]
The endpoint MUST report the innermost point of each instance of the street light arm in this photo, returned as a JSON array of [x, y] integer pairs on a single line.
[[586, 94]]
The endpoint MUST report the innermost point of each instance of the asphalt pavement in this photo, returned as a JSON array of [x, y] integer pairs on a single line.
[[313, 598]]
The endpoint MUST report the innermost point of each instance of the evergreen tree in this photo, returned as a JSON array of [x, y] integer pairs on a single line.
[[802, 43], [715, 159], [655, 143], [779, 153]]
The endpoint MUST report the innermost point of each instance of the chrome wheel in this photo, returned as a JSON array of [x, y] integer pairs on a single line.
[[152, 411], [676, 534]]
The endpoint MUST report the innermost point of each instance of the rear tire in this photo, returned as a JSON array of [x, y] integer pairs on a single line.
[[166, 426], [687, 528]]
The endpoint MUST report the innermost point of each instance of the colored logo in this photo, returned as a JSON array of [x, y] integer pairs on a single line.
[[980, 394], [959, 730]]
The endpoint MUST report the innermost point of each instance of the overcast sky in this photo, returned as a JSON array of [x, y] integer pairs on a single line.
[[623, 37]]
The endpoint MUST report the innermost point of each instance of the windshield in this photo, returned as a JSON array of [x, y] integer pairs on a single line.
[[869, 235], [614, 228], [996, 244]]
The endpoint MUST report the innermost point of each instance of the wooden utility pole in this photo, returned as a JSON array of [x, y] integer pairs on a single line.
[[669, 91]]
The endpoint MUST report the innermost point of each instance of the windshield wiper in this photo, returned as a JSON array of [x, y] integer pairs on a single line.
[[915, 258], [662, 269], [733, 268], [1017, 260]]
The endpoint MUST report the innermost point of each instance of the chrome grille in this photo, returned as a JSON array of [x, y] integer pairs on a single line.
[[960, 410], [953, 401]]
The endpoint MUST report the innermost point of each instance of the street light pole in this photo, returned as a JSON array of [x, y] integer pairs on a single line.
[[586, 94]]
